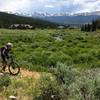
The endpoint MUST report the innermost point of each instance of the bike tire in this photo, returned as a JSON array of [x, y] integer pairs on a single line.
[[14, 66]]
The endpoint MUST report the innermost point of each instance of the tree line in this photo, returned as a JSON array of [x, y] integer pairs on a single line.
[[6, 20], [91, 27]]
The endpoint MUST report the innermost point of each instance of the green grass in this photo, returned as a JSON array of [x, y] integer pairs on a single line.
[[65, 50], [40, 49]]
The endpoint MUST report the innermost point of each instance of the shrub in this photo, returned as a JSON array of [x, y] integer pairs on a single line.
[[47, 89], [84, 58], [86, 86], [59, 57], [65, 74], [5, 81]]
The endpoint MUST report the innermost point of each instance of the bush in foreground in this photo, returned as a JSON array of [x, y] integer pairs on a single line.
[[47, 89], [4, 81]]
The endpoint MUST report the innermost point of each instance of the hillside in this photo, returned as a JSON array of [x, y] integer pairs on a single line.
[[79, 19], [8, 19]]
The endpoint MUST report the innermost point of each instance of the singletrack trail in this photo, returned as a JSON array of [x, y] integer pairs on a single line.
[[27, 73]]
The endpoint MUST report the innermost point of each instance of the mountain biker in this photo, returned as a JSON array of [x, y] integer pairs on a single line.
[[4, 51]]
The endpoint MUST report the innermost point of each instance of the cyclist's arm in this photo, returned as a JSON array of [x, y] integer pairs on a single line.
[[7, 54]]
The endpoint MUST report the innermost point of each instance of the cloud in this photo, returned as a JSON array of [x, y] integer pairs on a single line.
[[14, 5], [50, 6]]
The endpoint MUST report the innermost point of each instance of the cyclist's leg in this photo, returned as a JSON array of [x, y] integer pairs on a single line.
[[4, 63]]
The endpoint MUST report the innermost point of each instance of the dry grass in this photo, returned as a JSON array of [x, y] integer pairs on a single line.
[[22, 85]]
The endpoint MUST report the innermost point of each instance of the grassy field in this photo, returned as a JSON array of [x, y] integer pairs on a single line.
[[42, 49], [52, 57]]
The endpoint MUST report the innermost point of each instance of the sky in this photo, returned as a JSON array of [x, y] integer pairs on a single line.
[[50, 6]]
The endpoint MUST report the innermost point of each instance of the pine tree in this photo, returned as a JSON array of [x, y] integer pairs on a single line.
[[98, 23], [82, 28], [88, 28], [93, 26]]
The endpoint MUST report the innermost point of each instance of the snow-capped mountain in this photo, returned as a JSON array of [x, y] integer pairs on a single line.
[[76, 18], [64, 18], [87, 13], [45, 14]]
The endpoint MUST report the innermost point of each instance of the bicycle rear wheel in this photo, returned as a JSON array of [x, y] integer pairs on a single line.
[[14, 68]]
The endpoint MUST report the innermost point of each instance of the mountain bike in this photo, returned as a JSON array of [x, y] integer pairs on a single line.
[[13, 67]]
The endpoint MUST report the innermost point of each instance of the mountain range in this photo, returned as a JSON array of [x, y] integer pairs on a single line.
[[45, 19], [77, 18], [66, 18], [45, 14]]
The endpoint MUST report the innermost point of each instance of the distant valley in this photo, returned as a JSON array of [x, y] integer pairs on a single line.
[[80, 19]]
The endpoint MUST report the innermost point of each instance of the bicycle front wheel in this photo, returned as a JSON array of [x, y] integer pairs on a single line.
[[14, 68]]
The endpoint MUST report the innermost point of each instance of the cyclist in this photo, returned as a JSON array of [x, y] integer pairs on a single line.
[[4, 51]]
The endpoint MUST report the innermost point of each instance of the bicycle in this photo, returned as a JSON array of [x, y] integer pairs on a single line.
[[13, 67]]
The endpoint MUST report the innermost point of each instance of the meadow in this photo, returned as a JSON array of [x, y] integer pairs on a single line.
[[68, 61], [41, 49]]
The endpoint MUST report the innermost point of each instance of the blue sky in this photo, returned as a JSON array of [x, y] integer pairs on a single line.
[[50, 6]]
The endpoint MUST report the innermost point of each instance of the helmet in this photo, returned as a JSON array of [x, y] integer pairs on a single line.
[[9, 44]]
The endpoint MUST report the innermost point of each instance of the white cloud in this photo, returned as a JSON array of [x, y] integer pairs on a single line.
[[46, 5], [49, 6], [14, 5]]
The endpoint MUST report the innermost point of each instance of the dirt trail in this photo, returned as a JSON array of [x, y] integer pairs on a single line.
[[27, 73], [25, 77]]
